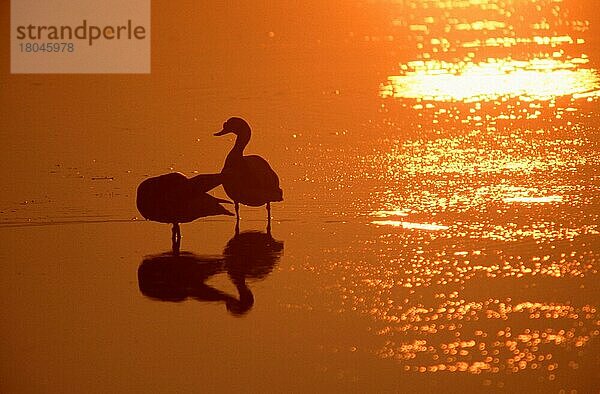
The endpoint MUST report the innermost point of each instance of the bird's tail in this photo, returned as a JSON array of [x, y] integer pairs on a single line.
[[278, 195]]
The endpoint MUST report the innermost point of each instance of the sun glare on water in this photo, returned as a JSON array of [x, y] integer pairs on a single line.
[[485, 185], [541, 79], [480, 50]]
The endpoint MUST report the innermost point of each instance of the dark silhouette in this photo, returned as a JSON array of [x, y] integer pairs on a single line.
[[173, 198], [248, 180], [248, 256], [176, 277]]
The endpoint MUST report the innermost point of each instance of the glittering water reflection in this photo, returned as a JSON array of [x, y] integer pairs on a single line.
[[534, 200], [485, 50], [477, 307], [480, 184], [409, 225], [541, 79]]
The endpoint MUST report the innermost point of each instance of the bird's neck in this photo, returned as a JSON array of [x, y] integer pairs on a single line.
[[246, 296], [237, 152]]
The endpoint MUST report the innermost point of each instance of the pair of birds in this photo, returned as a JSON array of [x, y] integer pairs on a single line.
[[248, 180]]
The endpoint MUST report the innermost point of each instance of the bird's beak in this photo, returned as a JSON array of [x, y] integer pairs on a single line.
[[222, 132]]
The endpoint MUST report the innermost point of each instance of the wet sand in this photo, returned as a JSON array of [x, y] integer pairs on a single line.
[[429, 241]]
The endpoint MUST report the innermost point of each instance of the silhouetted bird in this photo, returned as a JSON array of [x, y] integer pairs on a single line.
[[173, 198], [248, 180]]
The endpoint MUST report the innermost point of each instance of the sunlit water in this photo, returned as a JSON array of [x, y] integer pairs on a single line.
[[440, 226]]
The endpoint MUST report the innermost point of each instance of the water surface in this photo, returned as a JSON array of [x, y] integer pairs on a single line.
[[439, 161]]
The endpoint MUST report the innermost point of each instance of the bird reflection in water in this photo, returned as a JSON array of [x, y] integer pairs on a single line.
[[176, 277]]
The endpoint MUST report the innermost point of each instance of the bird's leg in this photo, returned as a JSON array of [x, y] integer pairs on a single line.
[[176, 238], [237, 218], [269, 218], [176, 247]]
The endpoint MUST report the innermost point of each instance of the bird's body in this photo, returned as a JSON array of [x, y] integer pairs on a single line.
[[248, 180], [251, 181], [173, 198]]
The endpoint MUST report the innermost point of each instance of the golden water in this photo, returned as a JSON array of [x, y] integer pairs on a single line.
[[440, 229]]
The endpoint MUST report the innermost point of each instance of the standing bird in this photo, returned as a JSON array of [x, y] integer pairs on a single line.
[[248, 180], [173, 198]]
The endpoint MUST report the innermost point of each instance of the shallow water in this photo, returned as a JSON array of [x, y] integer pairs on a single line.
[[439, 161]]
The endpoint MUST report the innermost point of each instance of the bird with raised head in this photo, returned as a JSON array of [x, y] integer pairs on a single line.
[[248, 180]]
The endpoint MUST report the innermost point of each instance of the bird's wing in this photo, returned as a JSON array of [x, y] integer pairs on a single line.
[[262, 172]]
